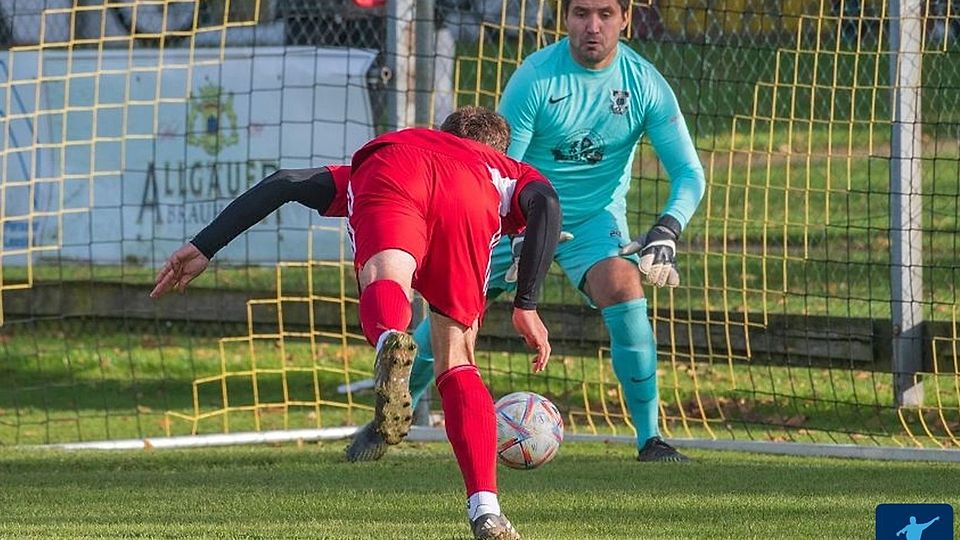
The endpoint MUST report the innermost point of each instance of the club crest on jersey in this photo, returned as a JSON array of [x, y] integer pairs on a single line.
[[582, 146], [620, 101]]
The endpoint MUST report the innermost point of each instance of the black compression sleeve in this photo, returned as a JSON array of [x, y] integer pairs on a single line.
[[310, 187], [541, 207]]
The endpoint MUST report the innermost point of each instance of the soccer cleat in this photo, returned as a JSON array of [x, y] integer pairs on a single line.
[[493, 527], [367, 445], [656, 449], [394, 407]]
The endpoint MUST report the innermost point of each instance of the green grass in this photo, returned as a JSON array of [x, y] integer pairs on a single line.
[[106, 384], [590, 491]]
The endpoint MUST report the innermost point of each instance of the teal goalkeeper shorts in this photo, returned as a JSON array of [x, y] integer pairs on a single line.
[[595, 239]]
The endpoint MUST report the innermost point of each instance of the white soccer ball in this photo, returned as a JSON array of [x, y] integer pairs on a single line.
[[529, 430]]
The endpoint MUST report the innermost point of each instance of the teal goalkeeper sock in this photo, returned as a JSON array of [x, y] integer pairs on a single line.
[[421, 375], [634, 352]]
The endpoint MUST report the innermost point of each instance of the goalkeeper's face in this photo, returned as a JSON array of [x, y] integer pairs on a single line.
[[594, 27]]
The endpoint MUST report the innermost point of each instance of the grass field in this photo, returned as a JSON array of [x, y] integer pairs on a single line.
[[796, 147], [590, 491], [106, 384]]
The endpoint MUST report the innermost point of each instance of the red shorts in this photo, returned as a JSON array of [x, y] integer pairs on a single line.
[[443, 212]]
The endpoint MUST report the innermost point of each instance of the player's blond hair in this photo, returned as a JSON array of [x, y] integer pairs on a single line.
[[479, 124]]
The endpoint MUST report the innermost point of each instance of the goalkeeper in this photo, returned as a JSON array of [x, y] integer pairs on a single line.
[[577, 110]]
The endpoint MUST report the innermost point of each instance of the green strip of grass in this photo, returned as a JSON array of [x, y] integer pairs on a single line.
[[109, 385], [590, 491]]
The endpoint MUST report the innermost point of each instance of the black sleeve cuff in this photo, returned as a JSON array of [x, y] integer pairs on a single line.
[[671, 223]]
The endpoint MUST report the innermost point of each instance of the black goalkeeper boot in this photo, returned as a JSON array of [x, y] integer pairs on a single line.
[[655, 449], [367, 445]]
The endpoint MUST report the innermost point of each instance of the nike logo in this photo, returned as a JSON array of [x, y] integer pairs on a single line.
[[559, 99]]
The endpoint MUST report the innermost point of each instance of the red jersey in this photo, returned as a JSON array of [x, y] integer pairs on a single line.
[[341, 177], [442, 199], [507, 175]]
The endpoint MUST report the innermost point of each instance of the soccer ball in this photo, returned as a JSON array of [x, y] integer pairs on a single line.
[[529, 430]]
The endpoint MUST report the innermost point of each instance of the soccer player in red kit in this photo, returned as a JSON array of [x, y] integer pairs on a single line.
[[425, 209]]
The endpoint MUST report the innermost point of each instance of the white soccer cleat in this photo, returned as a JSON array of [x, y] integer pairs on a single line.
[[493, 527]]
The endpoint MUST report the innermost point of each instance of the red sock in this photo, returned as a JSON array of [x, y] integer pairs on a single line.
[[383, 306], [471, 426]]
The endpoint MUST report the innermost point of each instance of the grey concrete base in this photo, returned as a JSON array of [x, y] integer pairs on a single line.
[[431, 434], [760, 447]]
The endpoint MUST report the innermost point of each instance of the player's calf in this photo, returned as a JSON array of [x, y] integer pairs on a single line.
[[394, 405]]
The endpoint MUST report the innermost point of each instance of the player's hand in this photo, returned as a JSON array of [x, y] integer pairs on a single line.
[[658, 253], [516, 247], [185, 264], [528, 324]]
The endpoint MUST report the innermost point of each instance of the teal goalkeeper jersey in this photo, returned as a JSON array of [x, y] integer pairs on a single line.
[[580, 128]]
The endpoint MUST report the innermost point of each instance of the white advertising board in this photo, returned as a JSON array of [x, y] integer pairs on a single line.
[[152, 144]]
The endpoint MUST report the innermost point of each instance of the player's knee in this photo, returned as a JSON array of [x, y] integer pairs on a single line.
[[613, 282], [393, 264]]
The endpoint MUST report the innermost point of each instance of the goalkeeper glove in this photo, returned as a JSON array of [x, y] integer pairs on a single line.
[[516, 247], [658, 252]]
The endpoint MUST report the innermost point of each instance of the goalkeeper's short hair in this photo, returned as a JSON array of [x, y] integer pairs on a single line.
[[479, 124], [624, 6]]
